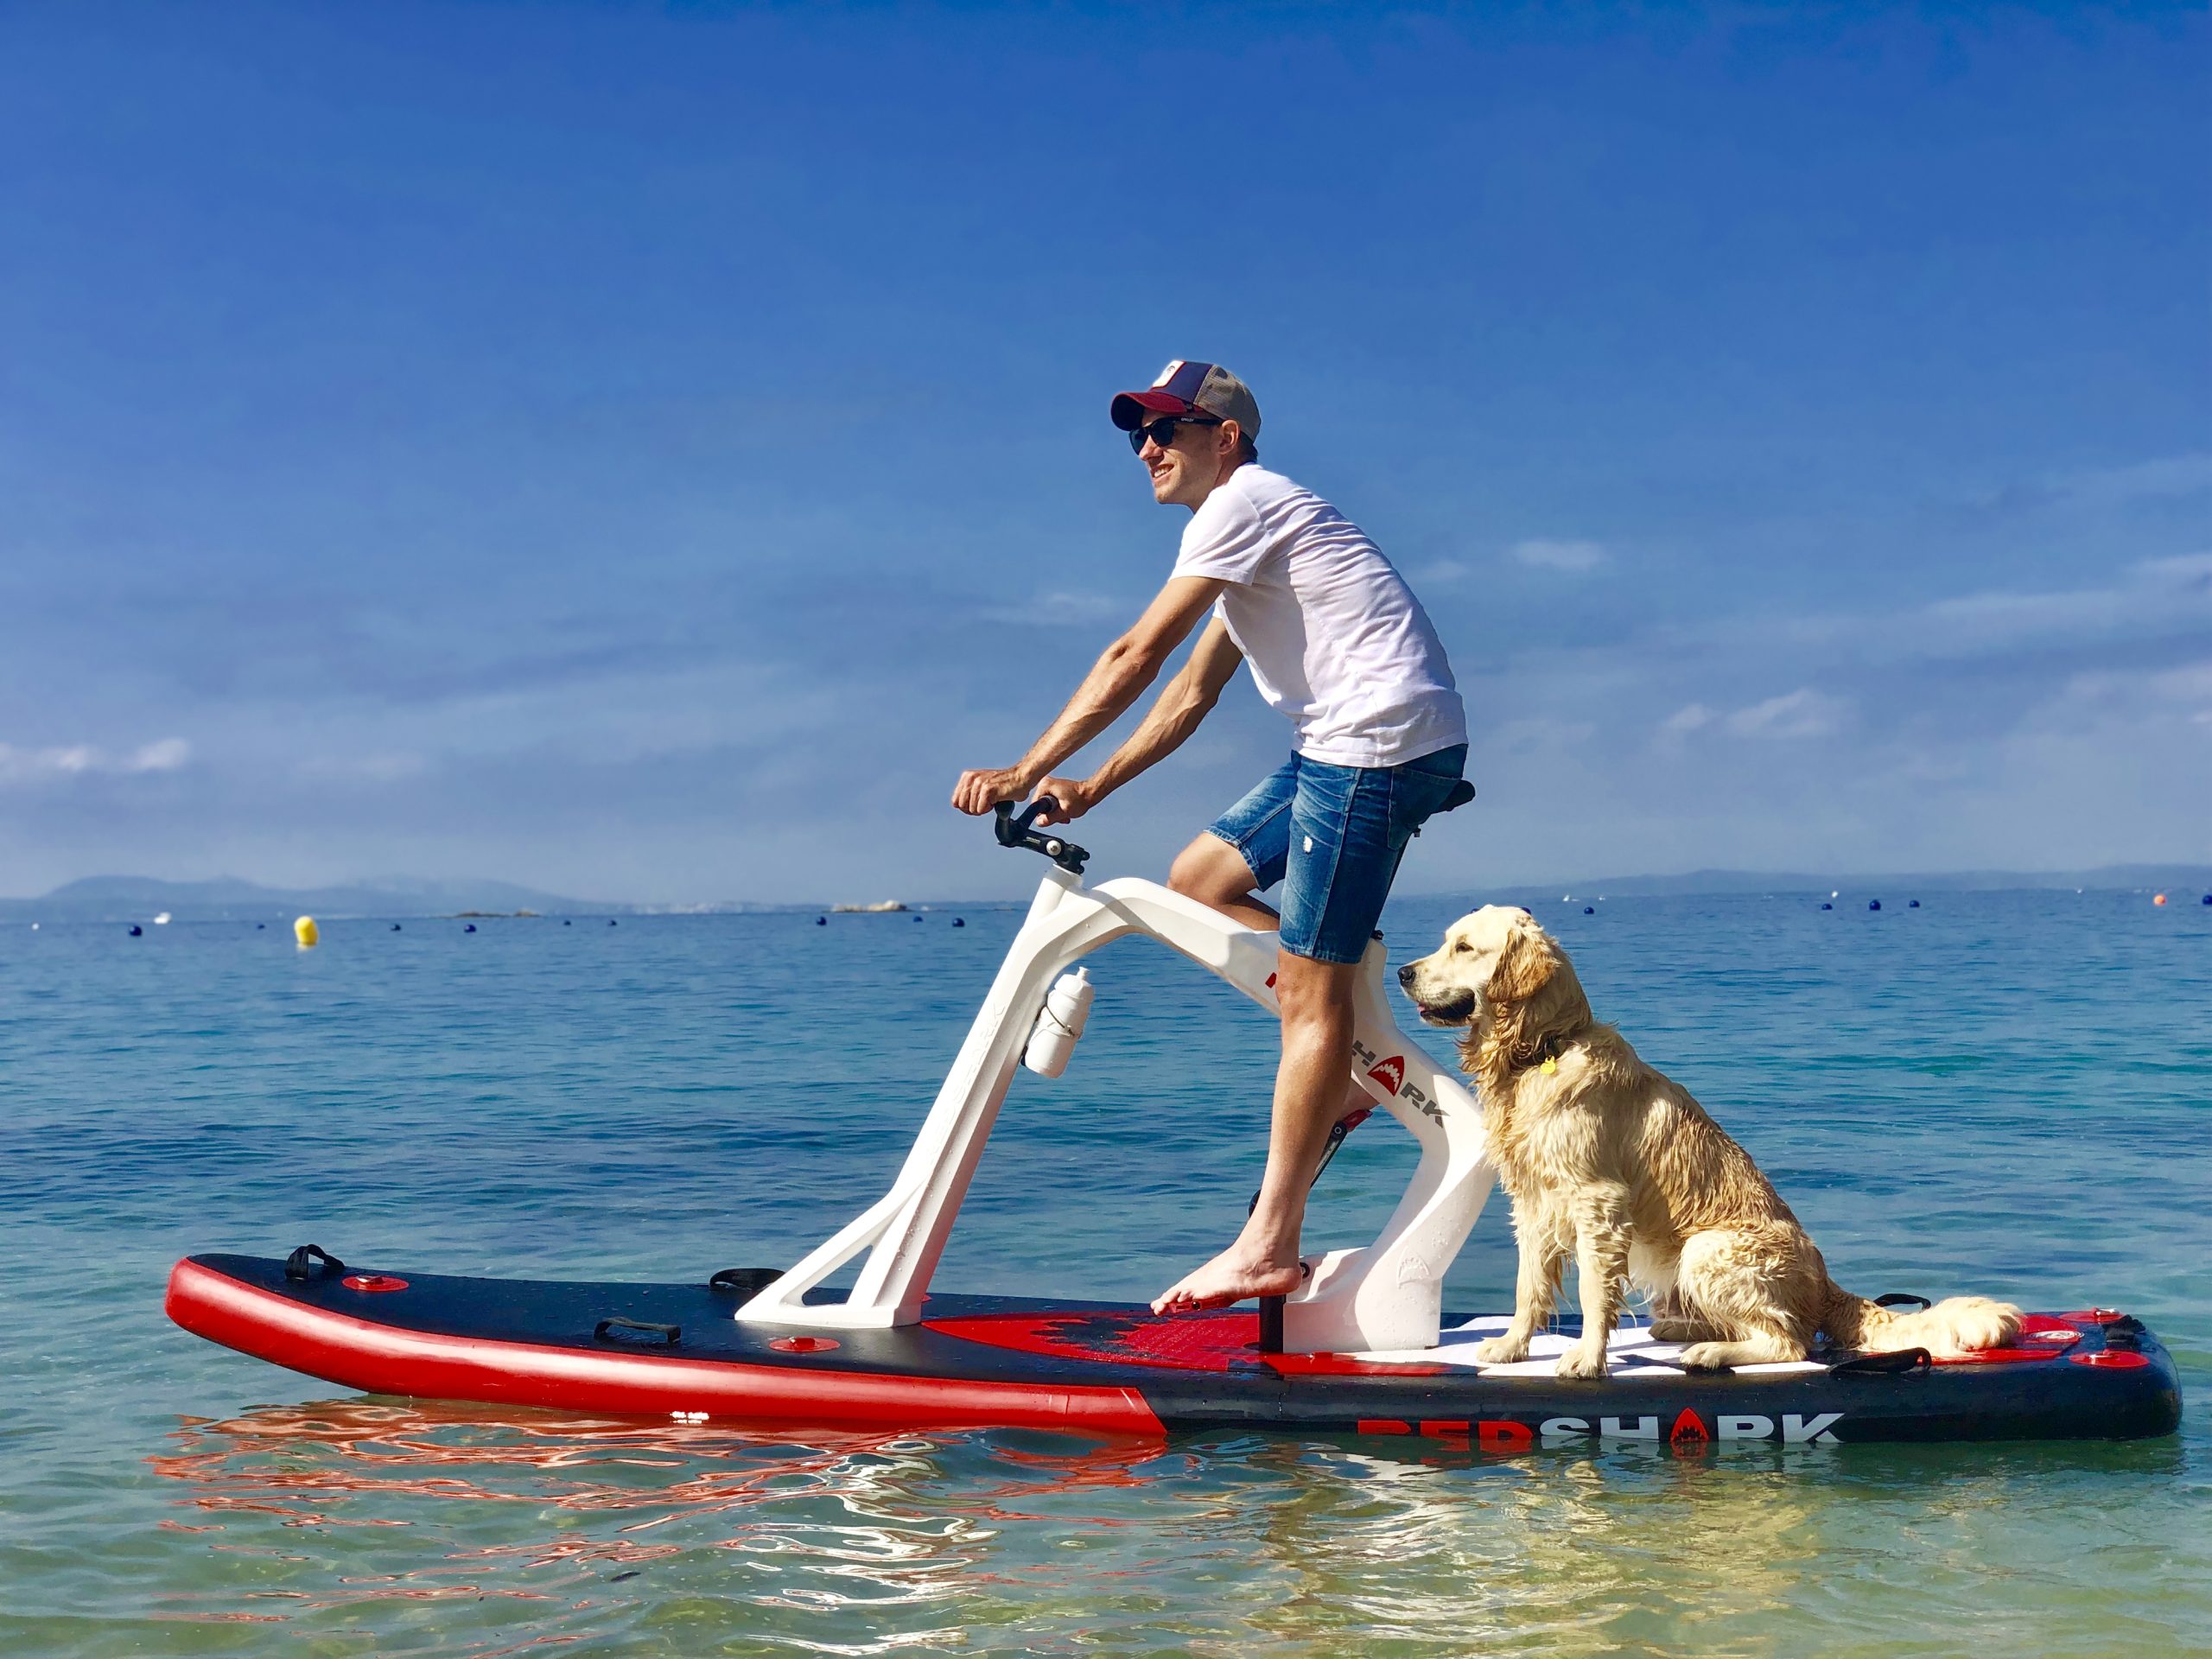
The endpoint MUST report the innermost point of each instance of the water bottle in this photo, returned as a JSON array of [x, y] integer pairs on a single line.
[[1060, 1022]]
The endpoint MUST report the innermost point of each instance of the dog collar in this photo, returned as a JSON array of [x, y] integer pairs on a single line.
[[1543, 1055]]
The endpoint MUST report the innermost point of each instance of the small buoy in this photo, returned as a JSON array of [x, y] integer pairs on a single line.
[[565, 922], [611, 922], [1589, 910], [260, 927], [394, 927], [1873, 903], [1826, 906], [918, 918], [307, 933], [822, 921], [2208, 899], [1835, 893], [161, 920], [471, 928], [2157, 898], [1912, 904], [136, 932], [962, 921]]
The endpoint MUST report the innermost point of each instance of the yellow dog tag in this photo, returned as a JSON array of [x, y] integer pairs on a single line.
[[1549, 1067]]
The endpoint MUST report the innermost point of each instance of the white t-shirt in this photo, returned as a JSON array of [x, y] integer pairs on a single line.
[[1334, 638]]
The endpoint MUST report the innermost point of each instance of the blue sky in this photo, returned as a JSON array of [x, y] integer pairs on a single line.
[[646, 453]]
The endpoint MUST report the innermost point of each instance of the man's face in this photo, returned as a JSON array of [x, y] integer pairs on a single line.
[[1185, 469]]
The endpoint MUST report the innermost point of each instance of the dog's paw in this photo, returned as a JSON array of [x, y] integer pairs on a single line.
[[1582, 1360], [1500, 1350], [1703, 1356]]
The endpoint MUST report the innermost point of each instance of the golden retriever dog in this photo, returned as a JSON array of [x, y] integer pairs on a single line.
[[1609, 1162]]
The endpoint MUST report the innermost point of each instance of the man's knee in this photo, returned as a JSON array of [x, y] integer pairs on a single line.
[[1308, 991], [1210, 871]]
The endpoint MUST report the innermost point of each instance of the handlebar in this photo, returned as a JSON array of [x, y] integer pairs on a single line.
[[1013, 830]]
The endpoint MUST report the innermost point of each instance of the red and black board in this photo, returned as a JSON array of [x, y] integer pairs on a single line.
[[663, 1350]]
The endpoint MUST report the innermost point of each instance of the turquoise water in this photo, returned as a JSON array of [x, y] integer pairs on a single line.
[[1999, 1092]]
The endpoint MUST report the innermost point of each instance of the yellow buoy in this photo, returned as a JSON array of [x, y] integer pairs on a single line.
[[307, 933]]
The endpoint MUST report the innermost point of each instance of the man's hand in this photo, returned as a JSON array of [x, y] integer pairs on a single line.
[[1071, 798], [978, 792]]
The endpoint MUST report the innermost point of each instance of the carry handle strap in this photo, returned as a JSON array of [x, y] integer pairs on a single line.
[[668, 1334], [1901, 1362], [299, 1264]]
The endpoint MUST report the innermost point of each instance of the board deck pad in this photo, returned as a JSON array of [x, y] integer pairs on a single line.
[[677, 1350]]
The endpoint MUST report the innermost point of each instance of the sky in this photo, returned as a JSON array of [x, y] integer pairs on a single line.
[[646, 453]]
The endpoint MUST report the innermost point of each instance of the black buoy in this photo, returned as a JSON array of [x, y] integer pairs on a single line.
[[1873, 903], [917, 918], [565, 922], [1589, 910], [961, 922], [1912, 904], [1826, 906], [822, 921], [2207, 899], [394, 927], [258, 926], [136, 932], [611, 922], [471, 928]]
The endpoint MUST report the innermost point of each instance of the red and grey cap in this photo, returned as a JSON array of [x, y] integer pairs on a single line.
[[1190, 388]]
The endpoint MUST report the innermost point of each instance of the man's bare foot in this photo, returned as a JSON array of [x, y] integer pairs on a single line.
[[1229, 1277]]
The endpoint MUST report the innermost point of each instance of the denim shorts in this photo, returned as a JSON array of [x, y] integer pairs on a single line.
[[1333, 835]]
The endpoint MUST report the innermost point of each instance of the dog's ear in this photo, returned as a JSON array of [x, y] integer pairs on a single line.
[[1524, 966]]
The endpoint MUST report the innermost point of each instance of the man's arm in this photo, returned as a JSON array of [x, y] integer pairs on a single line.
[[1182, 704], [1116, 681]]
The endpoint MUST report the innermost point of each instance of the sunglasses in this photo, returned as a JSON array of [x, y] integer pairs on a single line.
[[1162, 431]]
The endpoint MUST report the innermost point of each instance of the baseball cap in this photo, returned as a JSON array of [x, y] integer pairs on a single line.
[[1190, 388]]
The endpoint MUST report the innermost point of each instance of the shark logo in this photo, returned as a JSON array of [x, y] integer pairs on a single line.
[[1689, 1433], [1391, 1074]]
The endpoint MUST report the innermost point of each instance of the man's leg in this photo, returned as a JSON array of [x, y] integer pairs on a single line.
[[1215, 874], [1316, 1002]]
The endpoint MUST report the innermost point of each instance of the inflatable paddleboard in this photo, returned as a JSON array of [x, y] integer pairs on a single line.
[[677, 1352]]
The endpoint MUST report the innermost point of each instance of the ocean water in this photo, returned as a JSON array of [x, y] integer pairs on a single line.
[[2009, 1093]]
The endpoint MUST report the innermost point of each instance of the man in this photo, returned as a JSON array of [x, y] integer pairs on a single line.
[[1337, 642]]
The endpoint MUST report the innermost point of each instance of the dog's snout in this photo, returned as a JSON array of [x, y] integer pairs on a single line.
[[1405, 975]]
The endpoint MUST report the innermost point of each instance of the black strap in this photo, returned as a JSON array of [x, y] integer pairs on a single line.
[[745, 1281], [1899, 1364], [1902, 1299], [299, 1264], [669, 1334]]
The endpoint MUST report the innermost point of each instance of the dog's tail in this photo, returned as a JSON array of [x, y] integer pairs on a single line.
[[1955, 1326]]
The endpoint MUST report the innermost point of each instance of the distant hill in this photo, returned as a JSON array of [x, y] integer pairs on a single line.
[[140, 897], [134, 898]]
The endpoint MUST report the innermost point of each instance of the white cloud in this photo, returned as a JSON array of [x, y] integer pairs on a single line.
[[19, 766], [167, 755], [2146, 594], [1802, 712], [1576, 556]]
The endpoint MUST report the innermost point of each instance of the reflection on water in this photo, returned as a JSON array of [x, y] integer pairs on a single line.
[[708, 1539]]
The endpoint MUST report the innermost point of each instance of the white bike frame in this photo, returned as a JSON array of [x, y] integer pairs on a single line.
[[1385, 1296]]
